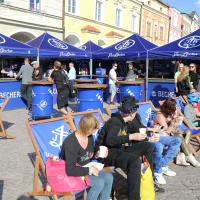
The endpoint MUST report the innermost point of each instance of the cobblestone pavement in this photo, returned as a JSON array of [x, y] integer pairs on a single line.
[[17, 158]]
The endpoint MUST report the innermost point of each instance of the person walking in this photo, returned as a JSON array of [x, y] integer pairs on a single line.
[[26, 88], [193, 76], [63, 90], [71, 76], [180, 68], [38, 74], [112, 82]]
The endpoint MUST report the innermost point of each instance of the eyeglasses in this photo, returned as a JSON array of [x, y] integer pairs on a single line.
[[192, 66]]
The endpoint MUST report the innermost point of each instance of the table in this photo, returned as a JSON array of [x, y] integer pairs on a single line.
[[42, 99], [130, 88], [90, 97], [85, 81], [83, 76]]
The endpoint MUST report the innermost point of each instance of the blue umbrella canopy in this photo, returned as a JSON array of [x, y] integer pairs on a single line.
[[90, 46]]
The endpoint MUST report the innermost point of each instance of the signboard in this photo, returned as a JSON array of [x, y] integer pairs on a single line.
[[162, 67]]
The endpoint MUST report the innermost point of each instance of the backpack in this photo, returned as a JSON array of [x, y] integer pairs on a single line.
[[65, 78]]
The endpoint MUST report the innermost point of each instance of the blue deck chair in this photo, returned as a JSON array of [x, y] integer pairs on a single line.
[[195, 133], [3, 102], [47, 137], [111, 110]]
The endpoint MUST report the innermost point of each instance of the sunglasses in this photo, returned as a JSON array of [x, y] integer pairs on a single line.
[[192, 66], [193, 92]]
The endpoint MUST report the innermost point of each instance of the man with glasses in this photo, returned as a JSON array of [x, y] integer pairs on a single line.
[[112, 82]]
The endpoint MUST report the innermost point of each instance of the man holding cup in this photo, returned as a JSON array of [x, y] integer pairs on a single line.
[[114, 136]]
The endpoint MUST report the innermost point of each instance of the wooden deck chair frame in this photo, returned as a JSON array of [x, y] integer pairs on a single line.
[[103, 119], [189, 126], [3, 133], [39, 160]]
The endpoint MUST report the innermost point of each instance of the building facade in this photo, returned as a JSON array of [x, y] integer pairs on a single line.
[[101, 21], [195, 21], [24, 20], [155, 21], [186, 24], [175, 31]]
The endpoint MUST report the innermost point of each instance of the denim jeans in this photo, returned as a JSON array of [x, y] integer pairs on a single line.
[[173, 144], [26, 93], [101, 184], [71, 82]]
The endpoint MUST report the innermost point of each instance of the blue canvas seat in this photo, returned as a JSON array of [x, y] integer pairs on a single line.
[[185, 124], [3, 102]]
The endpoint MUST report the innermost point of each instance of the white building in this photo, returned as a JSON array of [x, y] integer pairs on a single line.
[[24, 20], [195, 21]]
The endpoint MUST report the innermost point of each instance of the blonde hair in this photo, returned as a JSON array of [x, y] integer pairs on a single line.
[[179, 66], [185, 72], [195, 68], [88, 122], [57, 64]]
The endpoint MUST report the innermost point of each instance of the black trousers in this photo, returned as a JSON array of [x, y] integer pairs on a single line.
[[129, 159], [26, 93]]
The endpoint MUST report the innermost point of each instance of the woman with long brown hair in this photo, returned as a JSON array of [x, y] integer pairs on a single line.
[[177, 74], [183, 82], [167, 117], [193, 75]]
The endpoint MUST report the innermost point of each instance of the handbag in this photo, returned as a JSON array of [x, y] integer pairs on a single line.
[[116, 83], [58, 181], [147, 185]]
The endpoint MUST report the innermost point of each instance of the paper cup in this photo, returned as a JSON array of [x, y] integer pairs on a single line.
[[102, 150], [180, 117], [142, 130], [156, 134]]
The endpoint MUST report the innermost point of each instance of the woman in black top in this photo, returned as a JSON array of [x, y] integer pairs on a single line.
[[183, 82], [79, 148], [193, 76]]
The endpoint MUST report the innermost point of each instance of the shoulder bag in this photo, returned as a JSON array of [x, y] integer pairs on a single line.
[[58, 181]]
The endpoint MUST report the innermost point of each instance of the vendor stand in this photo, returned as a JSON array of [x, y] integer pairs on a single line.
[[82, 76], [85, 81]]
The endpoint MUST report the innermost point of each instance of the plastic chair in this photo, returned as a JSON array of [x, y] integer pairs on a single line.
[[3, 102], [195, 133]]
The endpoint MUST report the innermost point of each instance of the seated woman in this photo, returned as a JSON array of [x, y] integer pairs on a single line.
[[167, 117], [79, 148]]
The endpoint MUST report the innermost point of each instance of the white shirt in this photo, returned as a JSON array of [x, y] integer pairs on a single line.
[[112, 72]]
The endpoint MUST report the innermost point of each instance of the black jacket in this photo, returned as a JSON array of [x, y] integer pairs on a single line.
[[114, 134], [184, 86], [194, 79]]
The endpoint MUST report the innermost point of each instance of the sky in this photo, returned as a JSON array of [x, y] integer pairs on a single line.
[[186, 6]]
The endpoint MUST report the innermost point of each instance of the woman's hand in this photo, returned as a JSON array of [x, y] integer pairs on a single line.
[[196, 128], [176, 89], [95, 171]]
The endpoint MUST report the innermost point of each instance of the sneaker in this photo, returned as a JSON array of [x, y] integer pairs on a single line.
[[112, 103], [168, 172], [159, 178], [158, 189]]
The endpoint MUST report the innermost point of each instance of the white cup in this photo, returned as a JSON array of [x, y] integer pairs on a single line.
[[102, 152], [156, 134], [180, 117], [142, 130]]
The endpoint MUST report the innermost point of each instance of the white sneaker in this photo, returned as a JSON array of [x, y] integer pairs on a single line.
[[159, 178], [168, 172]]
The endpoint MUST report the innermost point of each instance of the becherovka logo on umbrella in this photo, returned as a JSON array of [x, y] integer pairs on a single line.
[[57, 43], [2, 40], [125, 45], [83, 47], [190, 42]]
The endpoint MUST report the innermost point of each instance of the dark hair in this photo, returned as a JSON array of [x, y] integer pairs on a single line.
[[27, 60], [57, 64], [168, 108]]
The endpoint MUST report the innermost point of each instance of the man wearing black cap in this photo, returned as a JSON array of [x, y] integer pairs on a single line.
[[114, 135]]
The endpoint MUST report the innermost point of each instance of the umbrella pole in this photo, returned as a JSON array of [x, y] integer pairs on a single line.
[[147, 67], [91, 68], [1, 63]]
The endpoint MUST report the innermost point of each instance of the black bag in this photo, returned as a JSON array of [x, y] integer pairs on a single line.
[[64, 76], [72, 91]]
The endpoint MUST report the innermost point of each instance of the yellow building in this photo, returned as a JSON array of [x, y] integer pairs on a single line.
[[104, 22]]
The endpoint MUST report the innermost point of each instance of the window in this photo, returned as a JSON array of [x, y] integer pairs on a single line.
[[98, 11], [170, 37], [148, 29], [35, 5], [160, 9], [161, 33], [118, 13], [149, 3], [133, 23], [72, 6], [1, 1], [155, 32], [174, 37]]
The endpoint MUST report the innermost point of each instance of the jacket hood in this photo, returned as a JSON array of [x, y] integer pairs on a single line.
[[119, 116]]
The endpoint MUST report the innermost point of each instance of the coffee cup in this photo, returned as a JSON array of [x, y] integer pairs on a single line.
[[156, 134], [102, 152], [142, 130], [180, 120]]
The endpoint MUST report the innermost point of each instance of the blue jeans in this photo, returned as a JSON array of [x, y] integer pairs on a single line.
[[173, 144], [71, 82], [101, 184]]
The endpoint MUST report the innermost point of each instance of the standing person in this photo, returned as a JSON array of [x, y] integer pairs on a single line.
[[26, 88], [183, 82], [141, 70], [63, 66], [112, 82], [131, 75], [63, 90], [78, 147], [48, 71], [9, 72], [193, 76], [71, 76], [180, 68], [37, 74]]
